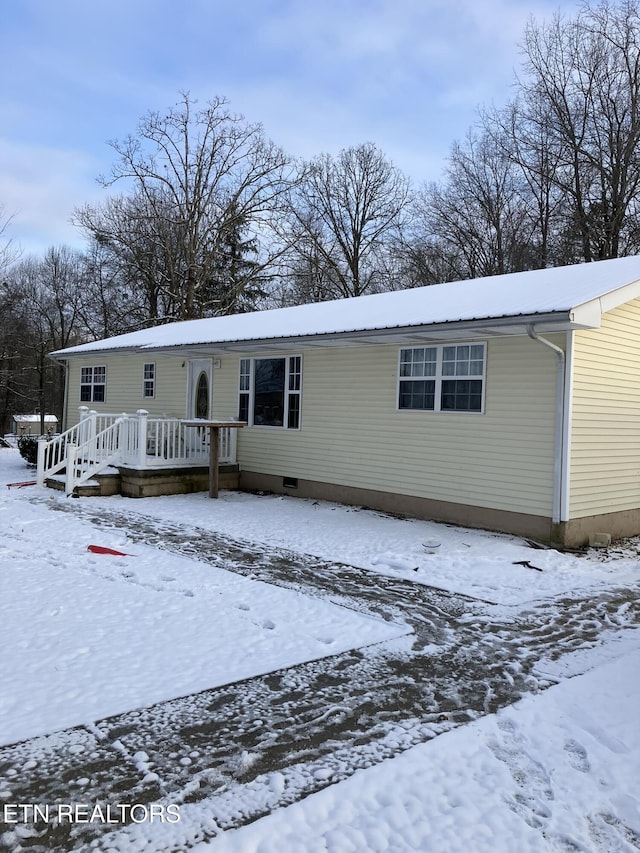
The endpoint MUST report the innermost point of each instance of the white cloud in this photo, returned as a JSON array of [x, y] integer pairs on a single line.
[[320, 75], [40, 187]]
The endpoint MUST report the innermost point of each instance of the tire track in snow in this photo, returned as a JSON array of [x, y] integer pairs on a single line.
[[315, 723]]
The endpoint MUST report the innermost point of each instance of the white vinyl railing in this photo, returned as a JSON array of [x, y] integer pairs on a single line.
[[98, 452], [52, 453], [134, 441]]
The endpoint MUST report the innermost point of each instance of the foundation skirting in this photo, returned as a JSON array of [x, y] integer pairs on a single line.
[[569, 534]]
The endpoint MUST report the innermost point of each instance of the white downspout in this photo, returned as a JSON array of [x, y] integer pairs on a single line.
[[560, 414]]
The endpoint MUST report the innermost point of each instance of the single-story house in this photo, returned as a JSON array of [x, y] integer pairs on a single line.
[[33, 424], [510, 403]]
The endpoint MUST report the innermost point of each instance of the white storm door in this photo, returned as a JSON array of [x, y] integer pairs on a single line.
[[199, 388]]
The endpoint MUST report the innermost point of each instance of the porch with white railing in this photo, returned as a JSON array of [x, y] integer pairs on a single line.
[[135, 441]]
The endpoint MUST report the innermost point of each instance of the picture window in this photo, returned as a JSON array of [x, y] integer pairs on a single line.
[[270, 391]]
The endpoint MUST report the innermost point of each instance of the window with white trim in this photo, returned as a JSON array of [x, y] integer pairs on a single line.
[[269, 391], [149, 379], [93, 384], [443, 378]]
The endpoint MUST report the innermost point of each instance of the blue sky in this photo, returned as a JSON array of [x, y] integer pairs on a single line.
[[320, 75]]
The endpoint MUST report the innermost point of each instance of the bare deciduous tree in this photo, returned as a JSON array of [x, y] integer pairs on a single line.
[[478, 215], [580, 96], [41, 300], [554, 176], [344, 214], [526, 144], [9, 253], [203, 181]]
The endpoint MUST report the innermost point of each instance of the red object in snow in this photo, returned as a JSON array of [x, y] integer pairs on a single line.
[[100, 549], [21, 485]]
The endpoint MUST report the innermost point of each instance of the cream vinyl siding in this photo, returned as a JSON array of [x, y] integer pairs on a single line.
[[605, 434], [125, 391], [353, 434]]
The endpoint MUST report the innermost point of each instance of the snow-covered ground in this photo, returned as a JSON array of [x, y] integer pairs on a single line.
[[558, 772], [93, 635], [87, 635], [555, 772]]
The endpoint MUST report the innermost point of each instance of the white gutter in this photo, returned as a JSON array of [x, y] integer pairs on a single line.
[[558, 460]]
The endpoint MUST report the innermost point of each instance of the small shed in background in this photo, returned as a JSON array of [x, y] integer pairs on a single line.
[[32, 425]]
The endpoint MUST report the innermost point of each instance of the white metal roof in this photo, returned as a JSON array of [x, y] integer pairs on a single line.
[[553, 299], [33, 419]]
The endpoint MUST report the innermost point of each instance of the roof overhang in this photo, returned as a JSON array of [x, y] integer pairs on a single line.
[[553, 300], [400, 335], [586, 317]]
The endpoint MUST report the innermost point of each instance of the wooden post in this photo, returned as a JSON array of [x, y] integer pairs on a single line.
[[214, 446]]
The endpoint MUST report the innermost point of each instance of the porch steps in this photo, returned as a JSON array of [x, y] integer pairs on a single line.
[[149, 483], [101, 485]]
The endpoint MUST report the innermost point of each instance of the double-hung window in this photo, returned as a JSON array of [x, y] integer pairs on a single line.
[[270, 391], [149, 379], [93, 384], [443, 378]]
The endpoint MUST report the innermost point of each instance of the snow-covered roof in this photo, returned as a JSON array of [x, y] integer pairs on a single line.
[[34, 419], [552, 299]]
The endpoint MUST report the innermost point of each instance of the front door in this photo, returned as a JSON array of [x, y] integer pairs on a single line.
[[199, 378], [199, 389]]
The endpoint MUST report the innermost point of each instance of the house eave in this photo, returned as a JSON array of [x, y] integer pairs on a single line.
[[477, 329], [480, 329]]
